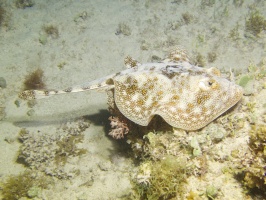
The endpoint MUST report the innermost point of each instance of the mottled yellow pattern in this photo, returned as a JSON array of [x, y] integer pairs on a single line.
[[185, 96]]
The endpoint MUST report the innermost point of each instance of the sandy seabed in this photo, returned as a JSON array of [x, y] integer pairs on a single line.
[[93, 39]]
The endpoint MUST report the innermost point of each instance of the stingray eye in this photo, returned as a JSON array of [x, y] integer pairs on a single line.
[[210, 83], [207, 84], [213, 84]]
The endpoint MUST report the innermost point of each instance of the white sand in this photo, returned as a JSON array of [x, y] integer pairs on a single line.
[[90, 48]]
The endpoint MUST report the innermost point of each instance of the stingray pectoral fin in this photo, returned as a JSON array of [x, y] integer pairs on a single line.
[[142, 121]]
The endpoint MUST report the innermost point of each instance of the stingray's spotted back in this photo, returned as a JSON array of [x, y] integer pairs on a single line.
[[184, 95]]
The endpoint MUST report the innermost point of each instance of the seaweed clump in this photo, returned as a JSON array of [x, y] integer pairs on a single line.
[[2, 15], [212, 57], [253, 170], [21, 185], [255, 175], [51, 31], [164, 179], [24, 3], [256, 23], [34, 80], [187, 18], [167, 163], [200, 60], [68, 148]]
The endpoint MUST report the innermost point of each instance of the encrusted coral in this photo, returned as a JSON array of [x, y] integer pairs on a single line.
[[160, 145], [119, 128], [49, 152]]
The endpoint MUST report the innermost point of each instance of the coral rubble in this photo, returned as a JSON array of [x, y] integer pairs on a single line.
[[49, 153], [119, 128]]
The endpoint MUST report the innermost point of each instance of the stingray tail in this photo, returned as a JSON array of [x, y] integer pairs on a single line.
[[100, 84]]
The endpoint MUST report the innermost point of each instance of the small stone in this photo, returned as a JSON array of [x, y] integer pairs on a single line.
[[155, 58], [17, 103], [216, 132], [43, 39], [197, 152], [31, 103], [81, 16], [123, 29], [196, 147], [34, 192], [30, 112], [211, 191], [10, 140], [105, 166]]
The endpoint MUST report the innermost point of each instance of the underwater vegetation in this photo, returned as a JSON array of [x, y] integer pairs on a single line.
[[238, 3], [27, 184], [253, 171], [200, 60], [187, 18], [255, 23], [207, 3], [48, 31], [51, 31], [212, 57], [5, 16], [2, 15], [253, 78], [162, 179], [234, 33], [68, 148], [24, 3], [167, 160], [249, 162], [34, 80]]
